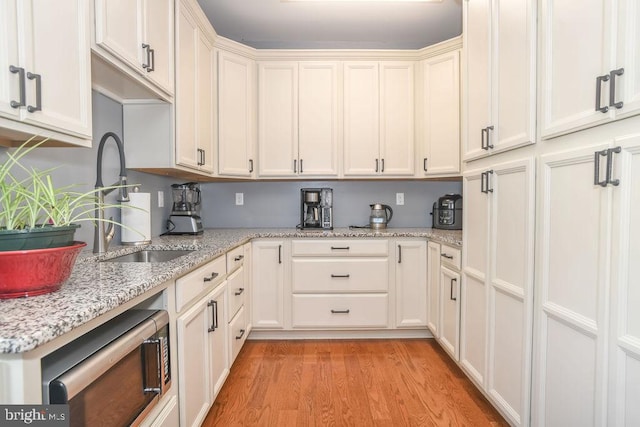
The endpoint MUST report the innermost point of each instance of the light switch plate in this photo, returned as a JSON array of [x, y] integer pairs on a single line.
[[239, 199], [160, 199], [399, 199]]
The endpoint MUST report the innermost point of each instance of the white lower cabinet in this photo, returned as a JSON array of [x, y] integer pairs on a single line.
[[267, 302], [587, 350], [450, 312], [340, 310], [238, 289], [497, 283], [433, 288], [411, 283]]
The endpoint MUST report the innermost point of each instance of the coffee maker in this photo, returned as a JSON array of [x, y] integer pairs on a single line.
[[185, 215], [316, 208]]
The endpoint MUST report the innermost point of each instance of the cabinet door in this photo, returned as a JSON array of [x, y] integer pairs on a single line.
[[205, 102], [186, 90], [625, 287], [572, 299], [65, 74], [411, 283], [193, 364], [119, 29], [235, 115], [477, 40], [475, 237], [218, 343], [514, 74], [441, 134], [397, 111], [9, 82], [510, 288], [278, 118], [628, 57], [568, 69], [433, 288], [450, 309], [158, 34], [318, 118], [361, 119], [268, 284]]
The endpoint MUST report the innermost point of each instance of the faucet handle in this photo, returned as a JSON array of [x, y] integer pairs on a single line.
[[111, 231]]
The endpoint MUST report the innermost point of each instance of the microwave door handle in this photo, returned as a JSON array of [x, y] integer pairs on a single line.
[[145, 366]]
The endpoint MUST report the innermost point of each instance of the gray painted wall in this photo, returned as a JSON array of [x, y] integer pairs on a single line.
[[277, 204]]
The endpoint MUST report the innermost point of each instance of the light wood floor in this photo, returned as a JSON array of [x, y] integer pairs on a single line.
[[348, 383]]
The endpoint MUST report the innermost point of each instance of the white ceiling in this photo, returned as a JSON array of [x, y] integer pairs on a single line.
[[281, 24]]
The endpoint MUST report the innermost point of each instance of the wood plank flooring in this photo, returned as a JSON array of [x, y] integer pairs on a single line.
[[348, 383]]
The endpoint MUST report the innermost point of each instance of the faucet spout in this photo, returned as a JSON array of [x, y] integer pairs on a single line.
[[102, 236]]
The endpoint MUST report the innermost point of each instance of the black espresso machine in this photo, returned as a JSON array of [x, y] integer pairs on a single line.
[[447, 212]]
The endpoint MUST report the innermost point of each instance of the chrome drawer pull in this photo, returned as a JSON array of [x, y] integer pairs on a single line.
[[339, 248], [210, 278], [340, 311], [339, 276]]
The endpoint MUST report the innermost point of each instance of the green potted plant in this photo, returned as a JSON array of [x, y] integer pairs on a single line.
[[37, 224]]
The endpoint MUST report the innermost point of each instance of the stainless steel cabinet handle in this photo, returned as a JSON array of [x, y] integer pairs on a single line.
[[483, 180], [295, 165], [339, 248], [301, 171], [204, 156], [483, 133], [612, 89], [211, 277], [599, 81], [382, 168], [250, 165], [489, 187], [424, 164], [239, 292], [20, 72], [279, 254], [451, 292], [340, 311], [610, 153], [596, 171], [148, 63], [152, 63], [376, 165], [38, 80], [214, 314], [340, 276], [489, 144], [239, 337], [239, 258], [447, 256], [399, 254]]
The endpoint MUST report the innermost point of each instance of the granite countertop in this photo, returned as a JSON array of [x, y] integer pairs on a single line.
[[95, 288]]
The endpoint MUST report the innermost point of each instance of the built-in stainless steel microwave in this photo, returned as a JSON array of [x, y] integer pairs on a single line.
[[113, 375]]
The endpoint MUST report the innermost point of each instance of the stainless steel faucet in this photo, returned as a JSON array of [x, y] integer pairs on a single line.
[[102, 235]]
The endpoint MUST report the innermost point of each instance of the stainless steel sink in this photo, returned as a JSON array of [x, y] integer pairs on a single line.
[[150, 256]]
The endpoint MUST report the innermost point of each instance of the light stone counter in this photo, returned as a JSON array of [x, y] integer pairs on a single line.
[[95, 288]]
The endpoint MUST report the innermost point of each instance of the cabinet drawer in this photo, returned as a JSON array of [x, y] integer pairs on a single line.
[[340, 311], [327, 275], [237, 333], [450, 256], [344, 247], [235, 284], [192, 284], [235, 258]]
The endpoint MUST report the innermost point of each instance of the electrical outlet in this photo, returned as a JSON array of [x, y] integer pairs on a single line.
[[239, 199], [399, 199], [161, 199]]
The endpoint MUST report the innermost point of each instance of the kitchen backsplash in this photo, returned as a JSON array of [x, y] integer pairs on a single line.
[[277, 204]]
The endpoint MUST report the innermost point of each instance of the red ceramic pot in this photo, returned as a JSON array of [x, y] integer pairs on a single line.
[[36, 271]]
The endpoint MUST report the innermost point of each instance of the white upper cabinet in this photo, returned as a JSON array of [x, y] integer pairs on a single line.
[[140, 34], [379, 119], [45, 79], [500, 56], [440, 139], [195, 94], [595, 80], [297, 119], [236, 115]]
